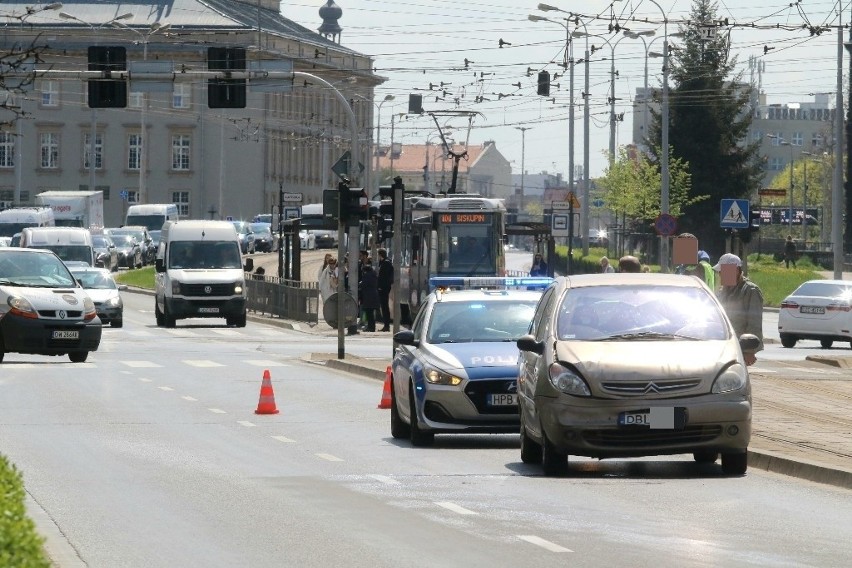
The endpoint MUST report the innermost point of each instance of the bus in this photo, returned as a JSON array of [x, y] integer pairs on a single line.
[[461, 235]]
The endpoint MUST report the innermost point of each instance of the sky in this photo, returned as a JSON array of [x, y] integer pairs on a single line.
[[449, 52]]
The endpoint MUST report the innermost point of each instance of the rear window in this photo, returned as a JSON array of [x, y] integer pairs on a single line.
[[825, 290]]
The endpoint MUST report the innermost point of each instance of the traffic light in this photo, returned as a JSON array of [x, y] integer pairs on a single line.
[[354, 205], [106, 93], [226, 93], [385, 228], [387, 193], [544, 83], [753, 226]]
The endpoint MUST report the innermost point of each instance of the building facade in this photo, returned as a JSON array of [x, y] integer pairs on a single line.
[[167, 145]]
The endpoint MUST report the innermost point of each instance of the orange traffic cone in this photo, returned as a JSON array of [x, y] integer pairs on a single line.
[[386, 390], [266, 404]]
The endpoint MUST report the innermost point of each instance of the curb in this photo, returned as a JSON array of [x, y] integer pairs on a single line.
[[800, 469], [839, 362]]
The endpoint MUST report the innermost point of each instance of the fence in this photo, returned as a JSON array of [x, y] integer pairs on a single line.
[[288, 299]]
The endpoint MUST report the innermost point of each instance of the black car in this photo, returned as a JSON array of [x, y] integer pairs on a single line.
[[264, 240], [140, 233], [129, 251], [106, 255]]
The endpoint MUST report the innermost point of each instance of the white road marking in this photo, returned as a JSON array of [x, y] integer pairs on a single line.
[[201, 363], [265, 363], [144, 380], [217, 411], [141, 364], [140, 333], [546, 544], [166, 388], [189, 398], [182, 333], [329, 457], [455, 508], [246, 423], [284, 439], [385, 479]]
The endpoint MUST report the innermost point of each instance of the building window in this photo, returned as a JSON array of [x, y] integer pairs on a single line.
[[797, 139], [49, 93], [134, 151], [49, 146], [181, 199], [132, 196], [816, 139], [180, 152], [135, 99], [181, 95], [7, 150], [99, 150], [776, 164]]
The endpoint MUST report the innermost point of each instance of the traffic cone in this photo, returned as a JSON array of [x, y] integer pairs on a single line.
[[266, 404], [386, 390]]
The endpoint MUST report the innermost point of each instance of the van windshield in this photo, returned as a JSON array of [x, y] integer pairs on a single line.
[[204, 254], [72, 252], [150, 222], [9, 229]]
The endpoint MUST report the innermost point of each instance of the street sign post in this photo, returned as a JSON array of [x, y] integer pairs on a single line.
[[341, 166], [665, 225], [291, 197], [560, 219], [734, 214]]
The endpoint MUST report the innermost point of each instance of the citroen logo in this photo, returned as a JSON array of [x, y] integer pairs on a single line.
[[652, 388], [208, 289], [61, 314]]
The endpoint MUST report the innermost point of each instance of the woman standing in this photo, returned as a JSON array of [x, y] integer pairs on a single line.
[[328, 279]]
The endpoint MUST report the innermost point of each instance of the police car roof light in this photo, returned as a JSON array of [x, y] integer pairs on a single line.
[[489, 283]]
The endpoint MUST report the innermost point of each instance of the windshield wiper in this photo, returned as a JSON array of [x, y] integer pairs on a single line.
[[6, 282], [645, 335]]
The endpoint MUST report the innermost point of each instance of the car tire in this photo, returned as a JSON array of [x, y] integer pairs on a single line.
[[399, 429], [788, 341], [78, 356], [236, 321], [735, 464], [158, 315], [705, 456], [117, 323], [826, 343], [168, 319], [530, 449], [416, 436], [553, 461], [2, 350]]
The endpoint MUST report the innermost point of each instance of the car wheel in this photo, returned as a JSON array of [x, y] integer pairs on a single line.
[[78, 356], [236, 321], [158, 315], [2, 350], [168, 319], [418, 437], [530, 449], [553, 461], [826, 343], [117, 323], [399, 429], [788, 341], [705, 456], [735, 464]]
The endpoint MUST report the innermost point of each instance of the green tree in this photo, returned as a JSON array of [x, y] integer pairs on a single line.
[[709, 119], [819, 178]]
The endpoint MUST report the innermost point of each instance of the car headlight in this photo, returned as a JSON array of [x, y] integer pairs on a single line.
[[175, 288], [731, 379], [438, 377], [89, 312], [113, 302], [567, 381], [239, 287], [22, 307]]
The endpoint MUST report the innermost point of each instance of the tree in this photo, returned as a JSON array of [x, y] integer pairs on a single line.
[[709, 120]]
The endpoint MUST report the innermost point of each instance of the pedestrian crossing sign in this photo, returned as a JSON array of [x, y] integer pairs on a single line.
[[734, 214]]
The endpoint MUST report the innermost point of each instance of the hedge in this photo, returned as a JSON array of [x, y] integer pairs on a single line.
[[20, 544]]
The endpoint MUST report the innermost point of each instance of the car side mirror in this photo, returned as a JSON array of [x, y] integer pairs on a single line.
[[749, 342], [528, 343], [406, 337], [122, 287], [159, 266]]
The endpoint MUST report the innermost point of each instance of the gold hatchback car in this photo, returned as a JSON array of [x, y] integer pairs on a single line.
[[629, 365]]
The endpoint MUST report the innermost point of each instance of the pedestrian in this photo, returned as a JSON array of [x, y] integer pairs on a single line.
[[706, 271], [385, 284], [539, 266], [629, 264], [790, 252], [369, 287], [606, 267], [743, 302], [329, 279]]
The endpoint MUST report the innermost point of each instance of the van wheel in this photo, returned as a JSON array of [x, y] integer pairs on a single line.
[[161, 321], [553, 461], [78, 356], [168, 319]]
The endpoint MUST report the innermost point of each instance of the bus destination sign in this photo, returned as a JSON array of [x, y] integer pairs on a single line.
[[464, 218]]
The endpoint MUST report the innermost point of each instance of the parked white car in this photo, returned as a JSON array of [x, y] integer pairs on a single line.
[[308, 240]]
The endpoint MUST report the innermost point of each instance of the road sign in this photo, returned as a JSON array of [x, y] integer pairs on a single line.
[[734, 214], [292, 212], [341, 166], [572, 199], [665, 225], [768, 192], [123, 194], [292, 197]]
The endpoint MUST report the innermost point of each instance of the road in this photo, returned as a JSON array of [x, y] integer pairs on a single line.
[[150, 454]]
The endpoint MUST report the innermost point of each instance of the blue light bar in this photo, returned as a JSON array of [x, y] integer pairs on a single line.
[[489, 283]]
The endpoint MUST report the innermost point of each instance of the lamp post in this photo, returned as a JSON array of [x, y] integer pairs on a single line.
[[94, 132], [523, 130], [781, 142], [155, 27], [378, 136]]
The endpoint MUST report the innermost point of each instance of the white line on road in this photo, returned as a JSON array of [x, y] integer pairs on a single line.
[[189, 398], [246, 423], [166, 388], [329, 457], [265, 363], [202, 363], [284, 439], [144, 380], [217, 411], [141, 364], [385, 479], [455, 508], [546, 544]]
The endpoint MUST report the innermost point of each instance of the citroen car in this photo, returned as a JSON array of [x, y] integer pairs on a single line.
[[43, 309], [455, 370], [632, 365]]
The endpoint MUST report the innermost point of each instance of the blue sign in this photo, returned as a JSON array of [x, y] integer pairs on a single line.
[[123, 194], [734, 214]]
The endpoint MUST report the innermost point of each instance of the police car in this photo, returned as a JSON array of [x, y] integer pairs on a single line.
[[455, 370]]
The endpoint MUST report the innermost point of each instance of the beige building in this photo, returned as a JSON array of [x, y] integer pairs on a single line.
[[168, 146]]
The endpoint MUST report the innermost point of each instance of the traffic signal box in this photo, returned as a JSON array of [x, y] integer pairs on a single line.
[[387, 208], [354, 206], [544, 83], [106, 93], [226, 93], [753, 225]]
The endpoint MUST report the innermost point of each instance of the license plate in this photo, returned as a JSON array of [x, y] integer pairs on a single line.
[[658, 418], [811, 309], [502, 399], [66, 334], [208, 310]]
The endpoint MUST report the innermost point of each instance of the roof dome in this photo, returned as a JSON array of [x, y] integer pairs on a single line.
[[330, 13]]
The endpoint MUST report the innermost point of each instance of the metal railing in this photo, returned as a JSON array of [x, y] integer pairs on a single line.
[[288, 299]]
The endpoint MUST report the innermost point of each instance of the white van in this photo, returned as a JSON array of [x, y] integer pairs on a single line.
[[198, 273], [151, 215], [14, 220], [69, 243]]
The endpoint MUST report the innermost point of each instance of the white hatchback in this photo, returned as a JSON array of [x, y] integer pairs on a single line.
[[819, 310]]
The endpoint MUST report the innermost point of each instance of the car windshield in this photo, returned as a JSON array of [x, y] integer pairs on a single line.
[[825, 290], [33, 270], [642, 312], [95, 280], [123, 240], [479, 321], [100, 241], [261, 228], [204, 254]]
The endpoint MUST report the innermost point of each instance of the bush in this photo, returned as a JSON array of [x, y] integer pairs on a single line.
[[20, 545]]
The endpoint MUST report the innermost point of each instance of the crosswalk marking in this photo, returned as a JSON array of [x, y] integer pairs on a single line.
[[201, 363], [455, 508], [227, 332], [284, 439], [189, 398], [329, 457], [546, 544], [166, 388], [141, 364], [217, 411], [265, 363]]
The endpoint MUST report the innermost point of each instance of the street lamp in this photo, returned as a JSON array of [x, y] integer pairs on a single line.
[[378, 135], [155, 27], [94, 132], [523, 130], [782, 142]]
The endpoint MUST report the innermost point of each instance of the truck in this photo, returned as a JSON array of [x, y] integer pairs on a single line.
[[74, 208], [151, 215]]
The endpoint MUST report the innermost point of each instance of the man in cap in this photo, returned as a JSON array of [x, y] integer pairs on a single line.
[[742, 300]]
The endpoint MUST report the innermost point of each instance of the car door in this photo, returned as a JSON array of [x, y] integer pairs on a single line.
[[530, 364]]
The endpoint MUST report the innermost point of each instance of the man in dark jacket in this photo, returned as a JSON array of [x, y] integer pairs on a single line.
[[385, 285], [369, 286]]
